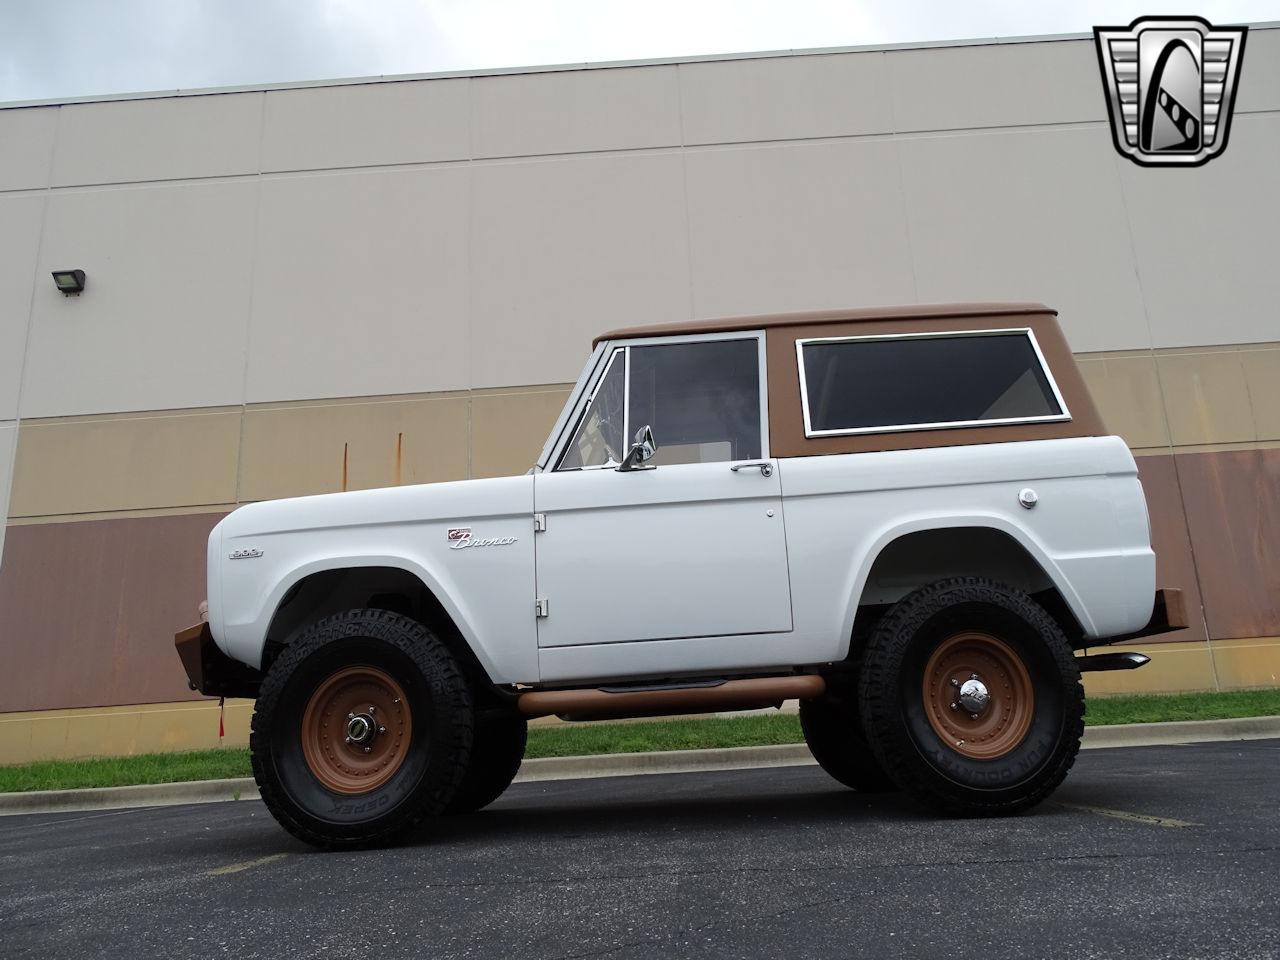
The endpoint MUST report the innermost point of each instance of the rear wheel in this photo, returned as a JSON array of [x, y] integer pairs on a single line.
[[971, 698], [496, 753], [362, 729], [835, 738]]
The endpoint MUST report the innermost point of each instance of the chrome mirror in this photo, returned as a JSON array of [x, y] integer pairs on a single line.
[[641, 451]]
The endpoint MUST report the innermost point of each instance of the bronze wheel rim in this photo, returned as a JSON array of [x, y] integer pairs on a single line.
[[978, 663], [356, 730]]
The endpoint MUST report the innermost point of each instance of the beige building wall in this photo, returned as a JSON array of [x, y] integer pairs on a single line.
[[310, 289], [379, 239]]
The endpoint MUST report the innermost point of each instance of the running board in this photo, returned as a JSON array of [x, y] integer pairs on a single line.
[[695, 697], [1112, 661]]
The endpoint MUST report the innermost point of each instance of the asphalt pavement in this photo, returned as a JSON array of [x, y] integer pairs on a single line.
[[1144, 852]]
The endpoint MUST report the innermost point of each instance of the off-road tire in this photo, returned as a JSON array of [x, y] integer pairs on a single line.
[[431, 761], [496, 753], [895, 715], [835, 738]]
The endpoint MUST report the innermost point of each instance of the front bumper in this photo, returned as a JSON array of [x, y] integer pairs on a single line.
[[209, 670]]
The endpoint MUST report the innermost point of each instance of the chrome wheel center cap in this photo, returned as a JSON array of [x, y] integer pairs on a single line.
[[974, 696], [360, 728]]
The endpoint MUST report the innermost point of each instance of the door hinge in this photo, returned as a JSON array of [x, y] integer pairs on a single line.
[[539, 523], [540, 607]]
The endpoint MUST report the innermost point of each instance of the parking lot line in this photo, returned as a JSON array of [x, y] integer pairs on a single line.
[[1131, 817], [22, 826], [245, 865]]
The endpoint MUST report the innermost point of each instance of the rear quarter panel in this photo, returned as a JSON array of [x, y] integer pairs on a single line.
[[1088, 532]]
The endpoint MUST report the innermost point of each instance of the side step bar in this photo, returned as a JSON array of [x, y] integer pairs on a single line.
[[696, 697], [1112, 661]]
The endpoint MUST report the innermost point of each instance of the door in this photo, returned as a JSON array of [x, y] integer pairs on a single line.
[[692, 544]]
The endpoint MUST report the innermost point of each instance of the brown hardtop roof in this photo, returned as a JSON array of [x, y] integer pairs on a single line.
[[913, 311]]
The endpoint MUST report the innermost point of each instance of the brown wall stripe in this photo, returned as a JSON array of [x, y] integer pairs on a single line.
[[88, 610], [1232, 501], [1175, 565]]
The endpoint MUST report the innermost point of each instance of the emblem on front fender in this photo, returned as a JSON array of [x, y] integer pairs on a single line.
[[249, 553], [460, 539]]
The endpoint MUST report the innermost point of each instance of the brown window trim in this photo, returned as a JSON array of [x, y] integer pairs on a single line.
[[786, 420]]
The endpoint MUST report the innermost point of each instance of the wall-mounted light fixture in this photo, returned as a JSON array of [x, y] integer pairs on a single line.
[[70, 282]]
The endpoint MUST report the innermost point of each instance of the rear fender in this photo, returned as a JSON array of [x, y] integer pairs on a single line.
[[857, 582]]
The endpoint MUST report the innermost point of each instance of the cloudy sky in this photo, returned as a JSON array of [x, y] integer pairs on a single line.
[[67, 48]]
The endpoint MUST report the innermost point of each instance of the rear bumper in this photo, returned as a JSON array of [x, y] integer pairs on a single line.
[[209, 670], [1169, 613]]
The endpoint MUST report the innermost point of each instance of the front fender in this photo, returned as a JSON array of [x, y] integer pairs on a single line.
[[266, 549], [243, 639]]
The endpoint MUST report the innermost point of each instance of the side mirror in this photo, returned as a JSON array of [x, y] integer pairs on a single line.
[[641, 452]]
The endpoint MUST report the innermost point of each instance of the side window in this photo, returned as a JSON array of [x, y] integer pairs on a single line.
[[701, 399], [598, 440], [924, 381]]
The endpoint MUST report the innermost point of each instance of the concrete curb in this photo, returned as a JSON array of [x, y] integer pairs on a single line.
[[113, 798], [1179, 732], [617, 765]]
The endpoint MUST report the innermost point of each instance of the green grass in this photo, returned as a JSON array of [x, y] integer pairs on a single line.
[[1154, 708], [123, 771], [578, 740], [573, 740]]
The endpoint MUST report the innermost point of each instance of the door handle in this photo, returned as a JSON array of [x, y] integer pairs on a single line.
[[766, 468]]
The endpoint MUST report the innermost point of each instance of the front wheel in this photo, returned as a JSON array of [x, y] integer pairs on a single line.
[[362, 729], [971, 699]]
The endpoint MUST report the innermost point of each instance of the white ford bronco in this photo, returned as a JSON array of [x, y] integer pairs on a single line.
[[910, 519]]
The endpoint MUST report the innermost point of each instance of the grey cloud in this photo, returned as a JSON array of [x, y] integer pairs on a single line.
[[66, 48], [82, 47]]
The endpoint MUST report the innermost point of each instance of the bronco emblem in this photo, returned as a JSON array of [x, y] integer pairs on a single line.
[[460, 538]]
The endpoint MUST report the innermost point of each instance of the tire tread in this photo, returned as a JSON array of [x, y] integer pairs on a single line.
[[882, 658], [834, 736], [497, 751]]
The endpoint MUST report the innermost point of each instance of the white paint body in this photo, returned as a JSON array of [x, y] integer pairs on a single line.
[[693, 568]]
